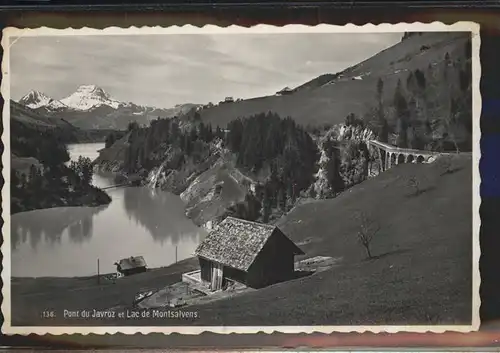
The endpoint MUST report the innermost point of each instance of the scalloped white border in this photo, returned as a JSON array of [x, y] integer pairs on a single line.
[[7, 328]]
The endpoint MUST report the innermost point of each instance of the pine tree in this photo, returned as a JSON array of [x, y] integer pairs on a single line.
[[464, 78], [266, 206], [219, 133], [280, 197], [468, 49], [420, 78], [35, 179], [333, 167], [449, 101], [210, 133], [193, 134], [380, 90], [14, 178], [383, 134], [175, 132], [110, 140], [132, 126], [23, 180]]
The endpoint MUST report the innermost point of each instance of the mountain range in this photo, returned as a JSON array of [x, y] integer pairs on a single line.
[[90, 107]]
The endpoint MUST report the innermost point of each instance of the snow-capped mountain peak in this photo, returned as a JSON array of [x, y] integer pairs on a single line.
[[90, 107], [35, 99], [92, 90], [88, 97]]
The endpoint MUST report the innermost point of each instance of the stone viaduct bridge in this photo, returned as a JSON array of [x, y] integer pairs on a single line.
[[390, 155]]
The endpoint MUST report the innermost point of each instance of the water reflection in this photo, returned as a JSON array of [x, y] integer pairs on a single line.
[[68, 241], [51, 223], [161, 213]]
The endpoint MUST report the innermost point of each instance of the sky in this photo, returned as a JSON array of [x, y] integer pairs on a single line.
[[165, 70]]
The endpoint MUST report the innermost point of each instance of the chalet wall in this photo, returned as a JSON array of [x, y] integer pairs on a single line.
[[234, 274], [275, 263], [205, 269], [228, 272]]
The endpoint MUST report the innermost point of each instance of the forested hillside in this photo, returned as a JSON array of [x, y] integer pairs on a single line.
[[265, 141], [431, 108], [40, 176], [312, 142], [272, 161]]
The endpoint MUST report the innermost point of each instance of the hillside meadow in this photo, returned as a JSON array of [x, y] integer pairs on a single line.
[[420, 273]]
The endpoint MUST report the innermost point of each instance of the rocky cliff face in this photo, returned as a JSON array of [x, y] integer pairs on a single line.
[[211, 185], [208, 187], [354, 166]]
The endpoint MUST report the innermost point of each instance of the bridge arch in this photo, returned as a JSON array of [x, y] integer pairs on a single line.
[[393, 159], [389, 155]]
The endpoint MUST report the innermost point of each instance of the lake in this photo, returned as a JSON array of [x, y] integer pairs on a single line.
[[68, 241]]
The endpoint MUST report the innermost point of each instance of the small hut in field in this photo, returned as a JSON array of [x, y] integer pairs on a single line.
[[247, 252]]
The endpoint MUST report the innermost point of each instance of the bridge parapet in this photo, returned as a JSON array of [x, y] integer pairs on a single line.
[[391, 155], [394, 149]]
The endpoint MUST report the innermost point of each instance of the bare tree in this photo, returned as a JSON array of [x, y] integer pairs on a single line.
[[419, 184], [368, 229], [447, 166]]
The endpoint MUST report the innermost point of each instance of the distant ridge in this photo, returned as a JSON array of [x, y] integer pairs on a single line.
[[329, 98]]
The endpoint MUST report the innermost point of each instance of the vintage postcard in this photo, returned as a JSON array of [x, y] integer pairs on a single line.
[[292, 179]]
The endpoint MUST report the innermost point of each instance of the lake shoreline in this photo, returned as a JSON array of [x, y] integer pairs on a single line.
[[90, 197], [38, 186], [135, 217], [102, 275], [59, 293], [140, 220]]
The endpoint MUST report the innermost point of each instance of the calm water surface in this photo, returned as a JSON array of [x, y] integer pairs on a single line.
[[68, 241]]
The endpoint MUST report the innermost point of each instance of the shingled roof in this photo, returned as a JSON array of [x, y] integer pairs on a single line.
[[131, 262], [236, 242]]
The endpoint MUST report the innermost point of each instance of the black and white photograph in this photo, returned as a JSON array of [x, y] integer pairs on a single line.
[[292, 179]]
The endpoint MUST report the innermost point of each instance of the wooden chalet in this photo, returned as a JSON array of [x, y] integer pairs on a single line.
[[131, 265], [251, 253]]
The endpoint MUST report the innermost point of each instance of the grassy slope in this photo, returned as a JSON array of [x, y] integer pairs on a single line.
[[30, 295], [332, 103], [422, 275]]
